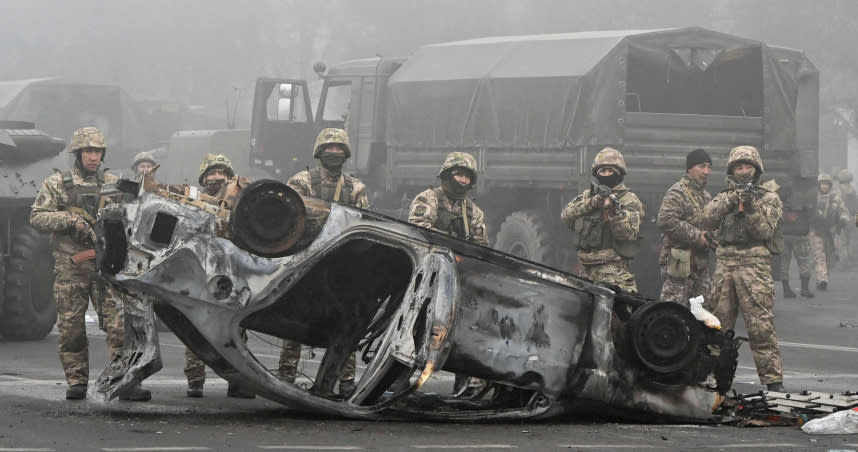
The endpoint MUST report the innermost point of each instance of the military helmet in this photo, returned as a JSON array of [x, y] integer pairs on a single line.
[[141, 157], [460, 160], [86, 137], [609, 157], [215, 161], [844, 176], [332, 136], [824, 177], [745, 154]]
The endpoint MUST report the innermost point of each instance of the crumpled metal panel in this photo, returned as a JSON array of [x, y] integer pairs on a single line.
[[410, 301]]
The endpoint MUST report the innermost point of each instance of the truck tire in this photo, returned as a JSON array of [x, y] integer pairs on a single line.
[[29, 311], [522, 234]]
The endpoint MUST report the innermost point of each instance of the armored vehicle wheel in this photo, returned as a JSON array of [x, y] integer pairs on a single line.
[[29, 311], [523, 234]]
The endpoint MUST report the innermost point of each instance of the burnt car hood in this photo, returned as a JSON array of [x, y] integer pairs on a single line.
[[410, 302]]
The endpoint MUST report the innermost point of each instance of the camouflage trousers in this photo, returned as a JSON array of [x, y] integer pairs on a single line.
[[680, 290], [616, 273], [749, 288], [822, 256], [195, 368], [798, 246], [74, 286], [290, 356]]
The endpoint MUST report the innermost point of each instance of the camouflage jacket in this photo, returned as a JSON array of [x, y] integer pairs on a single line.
[[762, 223], [303, 184], [624, 226], [679, 221], [50, 213], [831, 213], [426, 207], [849, 196]]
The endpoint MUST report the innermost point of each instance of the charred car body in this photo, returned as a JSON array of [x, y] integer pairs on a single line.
[[411, 302]]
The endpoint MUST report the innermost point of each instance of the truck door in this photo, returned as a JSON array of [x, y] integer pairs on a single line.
[[282, 129]]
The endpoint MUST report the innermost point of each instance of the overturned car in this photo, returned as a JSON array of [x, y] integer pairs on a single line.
[[410, 302]]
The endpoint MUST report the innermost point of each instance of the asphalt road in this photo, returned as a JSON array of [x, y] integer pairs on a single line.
[[819, 344]]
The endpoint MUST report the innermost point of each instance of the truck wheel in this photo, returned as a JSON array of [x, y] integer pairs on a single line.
[[523, 234], [29, 311]]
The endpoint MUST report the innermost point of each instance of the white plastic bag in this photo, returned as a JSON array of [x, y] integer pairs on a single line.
[[702, 314], [838, 423]]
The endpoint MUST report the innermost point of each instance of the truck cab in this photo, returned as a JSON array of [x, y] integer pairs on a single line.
[[352, 98]]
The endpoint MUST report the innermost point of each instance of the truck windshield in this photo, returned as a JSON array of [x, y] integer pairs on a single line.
[[337, 101]]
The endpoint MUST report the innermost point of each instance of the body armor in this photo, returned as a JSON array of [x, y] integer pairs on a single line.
[[83, 200], [327, 191], [454, 223]]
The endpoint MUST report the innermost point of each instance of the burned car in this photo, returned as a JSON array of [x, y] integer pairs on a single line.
[[409, 301]]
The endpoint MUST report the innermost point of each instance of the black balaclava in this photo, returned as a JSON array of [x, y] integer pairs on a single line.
[[213, 187], [610, 181], [453, 189], [332, 162]]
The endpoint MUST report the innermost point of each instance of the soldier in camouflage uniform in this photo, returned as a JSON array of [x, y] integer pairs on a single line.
[[447, 209], [328, 183], [607, 228], [67, 206], [684, 257], [746, 221], [795, 228], [847, 239], [831, 216], [143, 161], [217, 179]]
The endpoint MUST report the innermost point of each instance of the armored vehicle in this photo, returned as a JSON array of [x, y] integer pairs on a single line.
[[534, 110], [27, 308]]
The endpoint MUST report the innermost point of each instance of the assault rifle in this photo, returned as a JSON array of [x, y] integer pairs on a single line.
[[605, 192], [750, 188]]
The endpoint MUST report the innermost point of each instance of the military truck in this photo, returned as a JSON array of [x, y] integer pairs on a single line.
[[27, 307], [534, 110]]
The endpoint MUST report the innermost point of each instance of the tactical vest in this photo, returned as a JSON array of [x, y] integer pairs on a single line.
[[594, 233], [83, 200], [453, 223], [327, 191]]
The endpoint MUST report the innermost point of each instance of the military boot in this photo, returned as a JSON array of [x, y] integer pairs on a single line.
[[805, 287], [76, 392], [347, 388], [788, 293], [136, 394], [195, 390], [776, 387], [234, 390], [822, 285]]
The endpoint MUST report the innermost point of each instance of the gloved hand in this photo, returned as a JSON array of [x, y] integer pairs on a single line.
[[83, 232], [747, 200], [596, 202]]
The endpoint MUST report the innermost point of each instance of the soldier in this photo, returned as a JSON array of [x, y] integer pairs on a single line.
[[746, 218], [831, 216], [447, 209], [684, 257], [328, 183], [143, 162], [795, 228], [217, 179], [66, 207], [848, 241], [607, 227]]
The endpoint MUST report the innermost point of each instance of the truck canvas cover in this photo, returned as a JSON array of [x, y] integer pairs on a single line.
[[574, 89]]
